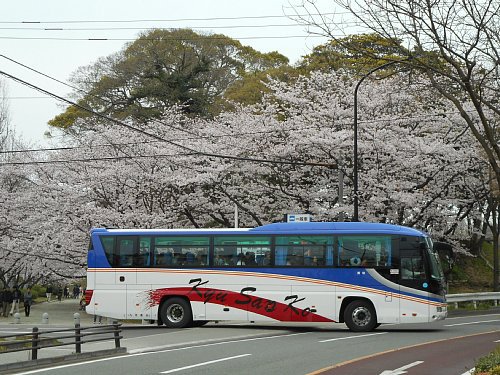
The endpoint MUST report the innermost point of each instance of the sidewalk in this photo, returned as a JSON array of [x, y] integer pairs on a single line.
[[60, 314]]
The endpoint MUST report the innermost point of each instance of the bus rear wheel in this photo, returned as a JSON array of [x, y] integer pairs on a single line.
[[176, 313], [360, 316]]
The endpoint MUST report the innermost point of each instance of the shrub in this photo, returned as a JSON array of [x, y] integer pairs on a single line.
[[490, 363]]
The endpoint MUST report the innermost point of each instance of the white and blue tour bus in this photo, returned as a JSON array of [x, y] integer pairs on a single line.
[[361, 274]]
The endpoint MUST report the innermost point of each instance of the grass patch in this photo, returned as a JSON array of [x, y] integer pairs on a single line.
[[489, 364], [471, 274], [469, 306]]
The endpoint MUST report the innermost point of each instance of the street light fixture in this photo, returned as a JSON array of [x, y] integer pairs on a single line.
[[355, 151]]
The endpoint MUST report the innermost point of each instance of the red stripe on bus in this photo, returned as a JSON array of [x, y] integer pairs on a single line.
[[285, 312]]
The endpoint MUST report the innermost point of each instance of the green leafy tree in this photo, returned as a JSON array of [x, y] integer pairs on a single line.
[[164, 68], [253, 86], [354, 53]]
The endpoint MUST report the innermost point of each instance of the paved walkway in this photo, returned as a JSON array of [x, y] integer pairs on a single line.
[[60, 314]]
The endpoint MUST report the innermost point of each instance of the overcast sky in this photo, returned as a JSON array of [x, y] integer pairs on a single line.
[[24, 38]]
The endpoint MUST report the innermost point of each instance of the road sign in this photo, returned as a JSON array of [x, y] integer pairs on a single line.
[[298, 218]]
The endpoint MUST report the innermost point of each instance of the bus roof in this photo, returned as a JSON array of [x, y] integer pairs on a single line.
[[280, 229]]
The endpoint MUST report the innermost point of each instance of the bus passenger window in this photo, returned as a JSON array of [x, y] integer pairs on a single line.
[[126, 261], [126, 251], [220, 260], [264, 260]]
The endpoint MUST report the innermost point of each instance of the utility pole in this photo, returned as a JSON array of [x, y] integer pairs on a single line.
[[355, 146]]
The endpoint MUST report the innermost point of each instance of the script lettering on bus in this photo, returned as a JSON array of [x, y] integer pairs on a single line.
[[257, 303], [209, 294]]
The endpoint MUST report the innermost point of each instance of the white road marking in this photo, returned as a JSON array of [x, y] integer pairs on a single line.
[[156, 334], [139, 352], [16, 332], [204, 364], [468, 323], [162, 349], [353, 337], [401, 370], [470, 372], [471, 316]]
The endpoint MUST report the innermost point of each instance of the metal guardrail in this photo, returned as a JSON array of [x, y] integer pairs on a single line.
[[41, 339], [473, 297]]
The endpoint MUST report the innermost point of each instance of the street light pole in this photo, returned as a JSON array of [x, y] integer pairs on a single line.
[[355, 150]]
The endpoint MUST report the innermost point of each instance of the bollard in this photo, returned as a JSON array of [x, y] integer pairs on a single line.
[[45, 318], [17, 318], [76, 318], [34, 344], [78, 339], [116, 331]]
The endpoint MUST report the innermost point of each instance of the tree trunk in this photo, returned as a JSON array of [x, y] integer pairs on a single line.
[[496, 268]]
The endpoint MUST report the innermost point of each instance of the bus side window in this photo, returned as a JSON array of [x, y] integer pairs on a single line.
[[126, 261], [126, 251], [143, 257]]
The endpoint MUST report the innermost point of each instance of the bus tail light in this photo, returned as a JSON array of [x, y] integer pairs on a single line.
[[88, 296]]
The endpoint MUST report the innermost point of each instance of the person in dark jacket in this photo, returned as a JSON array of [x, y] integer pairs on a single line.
[[2, 297], [28, 301], [48, 293], [7, 300]]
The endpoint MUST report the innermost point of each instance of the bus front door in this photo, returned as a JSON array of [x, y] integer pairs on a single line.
[[413, 286]]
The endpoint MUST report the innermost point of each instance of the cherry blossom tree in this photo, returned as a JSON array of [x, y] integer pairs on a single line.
[[455, 44], [417, 168]]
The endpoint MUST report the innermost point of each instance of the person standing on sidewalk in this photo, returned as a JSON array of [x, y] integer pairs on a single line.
[[28, 301], [16, 298], [76, 291], [7, 300], [66, 292], [48, 292], [59, 293], [2, 301]]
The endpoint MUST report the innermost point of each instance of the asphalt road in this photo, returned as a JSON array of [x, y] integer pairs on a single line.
[[448, 347]]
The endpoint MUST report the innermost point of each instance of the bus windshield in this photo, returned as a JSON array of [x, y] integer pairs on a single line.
[[435, 264]]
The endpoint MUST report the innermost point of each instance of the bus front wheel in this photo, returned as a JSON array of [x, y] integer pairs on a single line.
[[176, 313], [360, 316]]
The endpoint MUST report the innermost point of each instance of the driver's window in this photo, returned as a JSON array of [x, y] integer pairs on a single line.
[[412, 268]]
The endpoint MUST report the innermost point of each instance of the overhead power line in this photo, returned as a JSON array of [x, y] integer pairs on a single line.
[[197, 136], [232, 135], [25, 97], [41, 73], [150, 27], [103, 158], [176, 39], [173, 19], [186, 148]]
